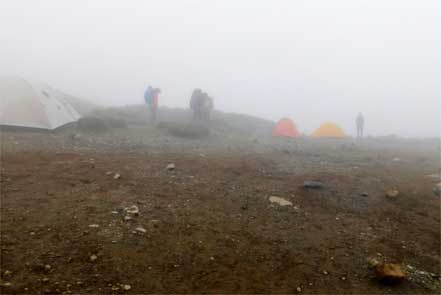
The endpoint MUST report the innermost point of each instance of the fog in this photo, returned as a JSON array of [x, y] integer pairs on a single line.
[[313, 61]]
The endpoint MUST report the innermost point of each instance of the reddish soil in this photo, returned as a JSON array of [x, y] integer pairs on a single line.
[[209, 227]]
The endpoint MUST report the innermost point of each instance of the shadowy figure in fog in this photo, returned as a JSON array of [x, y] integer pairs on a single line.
[[151, 97], [360, 125], [195, 102], [202, 105]]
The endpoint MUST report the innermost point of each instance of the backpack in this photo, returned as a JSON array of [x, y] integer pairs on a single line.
[[148, 97]]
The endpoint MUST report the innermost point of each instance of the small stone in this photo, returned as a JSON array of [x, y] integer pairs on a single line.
[[312, 184], [325, 273], [337, 218], [389, 272], [392, 194], [32, 233], [128, 218], [299, 290], [93, 258], [279, 201], [372, 262], [94, 225], [109, 173], [45, 280], [47, 267], [364, 194], [132, 210], [127, 287], [117, 176], [7, 273], [343, 278], [171, 167], [212, 258], [7, 284], [141, 230]]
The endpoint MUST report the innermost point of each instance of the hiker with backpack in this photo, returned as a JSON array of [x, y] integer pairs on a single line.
[[151, 98]]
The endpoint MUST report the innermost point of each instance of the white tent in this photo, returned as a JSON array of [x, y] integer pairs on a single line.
[[32, 104]]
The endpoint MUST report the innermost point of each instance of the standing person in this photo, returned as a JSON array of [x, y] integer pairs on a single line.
[[360, 125], [148, 95], [154, 104], [195, 102]]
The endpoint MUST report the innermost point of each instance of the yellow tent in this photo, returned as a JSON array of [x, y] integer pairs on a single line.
[[329, 130]]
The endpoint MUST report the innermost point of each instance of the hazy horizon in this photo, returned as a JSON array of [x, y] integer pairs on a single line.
[[312, 61]]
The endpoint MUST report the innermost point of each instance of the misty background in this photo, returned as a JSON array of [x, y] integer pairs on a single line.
[[312, 61]]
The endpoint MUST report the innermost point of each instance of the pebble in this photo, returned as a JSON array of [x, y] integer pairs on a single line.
[[94, 225], [364, 194], [279, 201], [132, 210], [117, 176], [32, 233], [93, 257], [325, 273], [127, 287], [7, 273], [299, 290], [45, 280], [141, 230], [171, 167], [7, 284], [392, 194], [48, 267], [312, 184]]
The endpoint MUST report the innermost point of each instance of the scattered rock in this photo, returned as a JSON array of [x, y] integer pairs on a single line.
[[6, 284], [117, 176], [280, 201], [47, 267], [299, 290], [94, 225], [132, 210], [128, 218], [171, 167], [7, 273], [126, 287], [389, 273], [45, 280], [392, 194], [364, 194], [312, 184], [93, 258], [141, 230], [108, 173], [325, 273]]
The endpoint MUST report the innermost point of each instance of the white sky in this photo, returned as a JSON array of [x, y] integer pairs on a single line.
[[312, 60]]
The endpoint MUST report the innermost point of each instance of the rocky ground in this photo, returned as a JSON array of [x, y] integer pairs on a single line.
[[107, 213]]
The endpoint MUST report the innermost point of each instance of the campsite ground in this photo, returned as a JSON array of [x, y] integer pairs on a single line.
[[208, 226]]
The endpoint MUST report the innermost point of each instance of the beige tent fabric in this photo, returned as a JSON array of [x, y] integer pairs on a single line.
[[31, 104]]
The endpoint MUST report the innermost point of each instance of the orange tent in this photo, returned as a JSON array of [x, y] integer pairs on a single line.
[[329, 130], [286, 128]]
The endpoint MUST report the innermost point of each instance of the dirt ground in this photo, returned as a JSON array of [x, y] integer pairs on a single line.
[[207, 226]]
